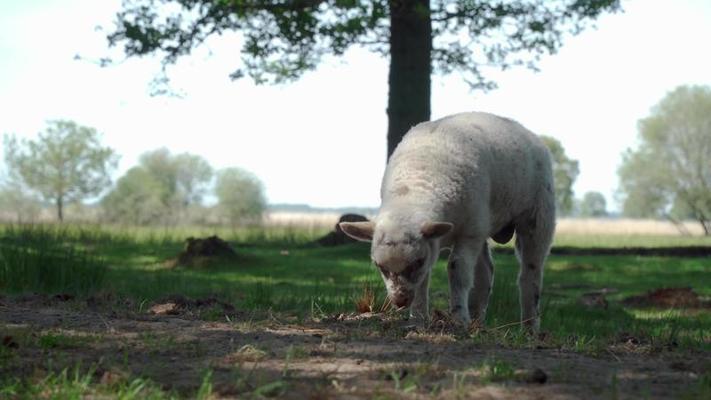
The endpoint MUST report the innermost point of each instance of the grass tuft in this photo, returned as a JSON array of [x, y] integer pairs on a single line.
[[40, 259]]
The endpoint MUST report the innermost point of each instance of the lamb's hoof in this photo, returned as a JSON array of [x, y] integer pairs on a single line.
[[531, 328]]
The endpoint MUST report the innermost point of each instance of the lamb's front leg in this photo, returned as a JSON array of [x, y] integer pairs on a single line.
[[461, 277], [420, 308]]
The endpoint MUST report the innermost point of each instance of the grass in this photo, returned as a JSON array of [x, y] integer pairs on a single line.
[[78, 384], [47, 261], [280, 270], [496, 371]]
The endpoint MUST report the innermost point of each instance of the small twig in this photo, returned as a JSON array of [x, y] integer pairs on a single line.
[[515, 323], [109, 328], [614, 355]]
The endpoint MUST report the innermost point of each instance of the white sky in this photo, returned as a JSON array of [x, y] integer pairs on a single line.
[[321, 140]]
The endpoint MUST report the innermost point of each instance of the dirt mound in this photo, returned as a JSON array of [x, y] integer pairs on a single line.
[[200, 252], [667, 298], [337, 237]]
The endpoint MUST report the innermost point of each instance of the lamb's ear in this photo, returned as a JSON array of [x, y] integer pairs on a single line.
[[433, 230], [362, 231]]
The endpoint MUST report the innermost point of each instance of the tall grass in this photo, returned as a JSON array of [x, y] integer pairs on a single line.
[[39, 259], [279, 269]]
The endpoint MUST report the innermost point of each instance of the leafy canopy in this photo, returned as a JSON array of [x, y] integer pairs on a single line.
[[184, 178], [283, 39], [136, 199], [669, 174], [593, 204], [161, 187], [565, 172], [240, 195], [66, 163]]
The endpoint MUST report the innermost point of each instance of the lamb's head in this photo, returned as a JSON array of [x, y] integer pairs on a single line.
[[403, 252]]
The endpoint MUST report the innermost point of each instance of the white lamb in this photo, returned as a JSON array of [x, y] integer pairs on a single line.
[[454, 183]]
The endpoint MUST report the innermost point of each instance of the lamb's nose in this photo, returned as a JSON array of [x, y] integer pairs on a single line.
[[401, 300]]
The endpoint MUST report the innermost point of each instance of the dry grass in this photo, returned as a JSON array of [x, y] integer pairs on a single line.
[[366, 302], [301, 219], [565, 226], [623, 226]]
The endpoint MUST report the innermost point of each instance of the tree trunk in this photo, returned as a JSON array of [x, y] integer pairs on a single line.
[[678, 224], [410, 67], [60, 208], [705, 225]]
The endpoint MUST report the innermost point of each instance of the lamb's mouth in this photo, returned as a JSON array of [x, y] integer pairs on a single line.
[[401, 299]]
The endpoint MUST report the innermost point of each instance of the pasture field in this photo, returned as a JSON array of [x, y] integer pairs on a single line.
[[102, 312]]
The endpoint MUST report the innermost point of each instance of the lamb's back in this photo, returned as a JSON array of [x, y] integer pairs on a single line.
[[471, 157]]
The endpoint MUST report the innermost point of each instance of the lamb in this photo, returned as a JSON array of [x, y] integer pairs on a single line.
[[453, 183]]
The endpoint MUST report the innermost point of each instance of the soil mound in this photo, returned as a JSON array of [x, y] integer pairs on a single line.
[[668, 298], [337, 237], [200, 252]]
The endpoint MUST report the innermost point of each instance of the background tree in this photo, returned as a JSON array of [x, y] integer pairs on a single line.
[[565, 172], [283, 39], [65, 164], [240, 195], [161, 188], [136, 200], [593, 204], [193, 177], [17, 203], [669, 174], [159, 165], [184, 178]]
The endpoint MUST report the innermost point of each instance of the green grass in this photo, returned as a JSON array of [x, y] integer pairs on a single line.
[[496, 371], [281, 270], [47, 260], [79, 384]]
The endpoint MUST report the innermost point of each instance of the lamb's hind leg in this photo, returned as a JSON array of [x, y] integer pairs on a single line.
[[533, 240], [483, 282]]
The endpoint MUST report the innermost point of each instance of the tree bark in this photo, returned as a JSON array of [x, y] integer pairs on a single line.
[[60, 208], [705, 225], [410, 67]]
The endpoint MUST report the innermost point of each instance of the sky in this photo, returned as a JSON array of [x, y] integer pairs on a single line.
[[321, 140]]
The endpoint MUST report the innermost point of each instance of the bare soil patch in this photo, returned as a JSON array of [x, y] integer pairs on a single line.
[[684, 297], [344, 356]]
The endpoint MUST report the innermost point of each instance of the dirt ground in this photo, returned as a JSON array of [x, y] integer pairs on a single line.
[[339, 357]]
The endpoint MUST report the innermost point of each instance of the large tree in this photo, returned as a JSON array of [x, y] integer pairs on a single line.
[[565, 172], [136, 200], [284, 38], [66, 163], [240, 195], [161, 188], [184, 177], [593, 204], [669, 174]]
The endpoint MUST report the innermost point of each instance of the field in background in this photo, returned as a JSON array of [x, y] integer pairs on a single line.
[[97, 311], [577, 232], [565, 226]]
